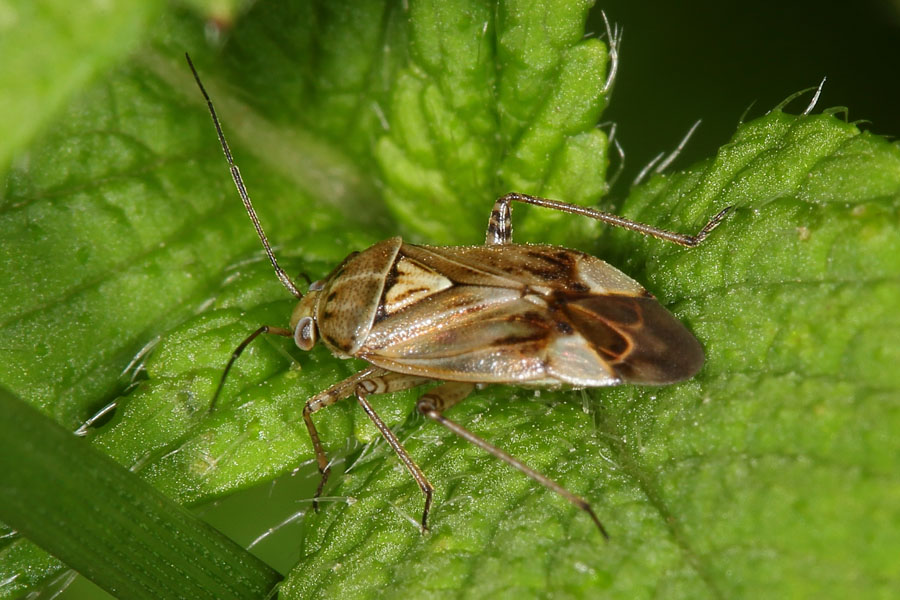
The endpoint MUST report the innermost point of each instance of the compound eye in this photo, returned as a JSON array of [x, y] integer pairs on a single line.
[[305, 333]]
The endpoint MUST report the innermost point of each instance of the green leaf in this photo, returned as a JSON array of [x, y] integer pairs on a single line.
[[51, 49], [107, 523], [355, 121], [776, 462]]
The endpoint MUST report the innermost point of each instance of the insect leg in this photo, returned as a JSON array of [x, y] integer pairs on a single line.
[[396, 382], [339, 391], [372, 380], [237, 352], [499, 229], [439, 399]]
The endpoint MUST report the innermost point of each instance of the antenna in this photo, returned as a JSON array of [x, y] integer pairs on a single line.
[[239, 184]]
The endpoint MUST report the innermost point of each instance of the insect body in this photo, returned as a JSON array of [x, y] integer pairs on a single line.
[[535, 315], [530, 315]]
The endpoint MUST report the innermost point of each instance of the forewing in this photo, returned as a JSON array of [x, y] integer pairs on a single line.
[[533, 315], [641, 340], [486, 334], [478, 334], [537, 266]]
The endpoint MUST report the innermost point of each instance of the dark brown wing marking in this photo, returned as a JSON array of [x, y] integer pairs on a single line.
[[641, 340], [538, 267], [481, 340]]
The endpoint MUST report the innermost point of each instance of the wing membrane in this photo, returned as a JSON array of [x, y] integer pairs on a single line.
[[641, 340]]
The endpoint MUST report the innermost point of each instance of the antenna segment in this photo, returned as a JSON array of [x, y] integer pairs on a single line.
[[242, 190]]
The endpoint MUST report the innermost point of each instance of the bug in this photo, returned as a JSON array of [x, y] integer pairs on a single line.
[[532, 315]]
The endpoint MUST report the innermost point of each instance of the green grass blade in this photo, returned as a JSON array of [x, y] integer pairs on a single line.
[[75, 42], [108, 524]]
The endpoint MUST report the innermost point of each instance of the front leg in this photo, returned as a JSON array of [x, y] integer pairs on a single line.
[[372, 380]]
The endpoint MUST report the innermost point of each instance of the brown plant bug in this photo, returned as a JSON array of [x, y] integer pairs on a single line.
[[532, 315]]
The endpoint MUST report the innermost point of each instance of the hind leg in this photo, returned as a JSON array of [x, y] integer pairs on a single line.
[[446, 395]]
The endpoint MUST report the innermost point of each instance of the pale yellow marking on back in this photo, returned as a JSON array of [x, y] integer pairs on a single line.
[[414, 282]]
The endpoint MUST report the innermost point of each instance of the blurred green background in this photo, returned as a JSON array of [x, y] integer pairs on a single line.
[[702, 59]]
